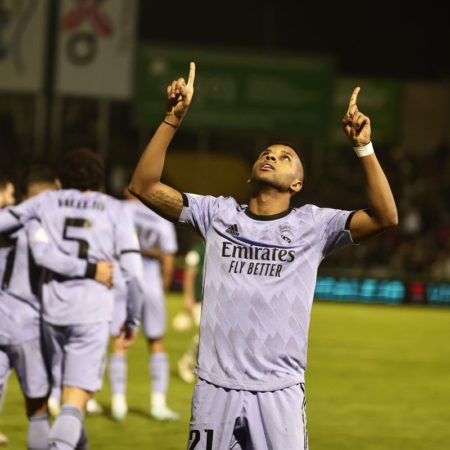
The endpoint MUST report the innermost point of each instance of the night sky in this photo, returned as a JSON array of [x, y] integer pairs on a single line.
[[376, 40]]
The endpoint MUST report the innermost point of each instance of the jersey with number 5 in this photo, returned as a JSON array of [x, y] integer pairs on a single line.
[[88, 225]]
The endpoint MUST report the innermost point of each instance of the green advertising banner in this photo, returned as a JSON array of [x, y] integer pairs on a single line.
[[238, 90], [379, 99]]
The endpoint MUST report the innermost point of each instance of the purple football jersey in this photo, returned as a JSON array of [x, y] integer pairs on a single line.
[[259, 279], [153, 231], [91, 226], [21, 306]]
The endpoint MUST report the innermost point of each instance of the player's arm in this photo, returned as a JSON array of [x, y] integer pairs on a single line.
[[14, 217], [130, 263], [146, 181], [167, 269], [47, 255], [192, 261], [152, 253], [9, 221], [383, 210], [189, 288], [131, 267]]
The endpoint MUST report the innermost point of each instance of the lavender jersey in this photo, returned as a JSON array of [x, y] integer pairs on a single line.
[[259, 279], [152, 231], [91, 226], [20, 304], [7, 242]]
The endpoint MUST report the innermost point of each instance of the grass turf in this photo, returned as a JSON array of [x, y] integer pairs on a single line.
[[378, 378]]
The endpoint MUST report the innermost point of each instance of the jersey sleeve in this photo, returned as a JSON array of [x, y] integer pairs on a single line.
[[333, 228], [48, 256], [198, 211], [16, 216], [125, 239], [9, 221], [130, 262], [134, 288], [168, 238]]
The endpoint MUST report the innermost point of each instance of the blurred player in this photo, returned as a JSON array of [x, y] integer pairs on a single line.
[[20, 308], [260, 272], [81, 222], [7, 198], [192, 294], [158, 245], [7, 191]]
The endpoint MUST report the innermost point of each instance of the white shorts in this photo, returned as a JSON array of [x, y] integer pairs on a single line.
[[154, 311], [224, 419], [84, 353], [28, 362]]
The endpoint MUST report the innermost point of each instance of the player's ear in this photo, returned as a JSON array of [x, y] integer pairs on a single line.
[[296, 186]]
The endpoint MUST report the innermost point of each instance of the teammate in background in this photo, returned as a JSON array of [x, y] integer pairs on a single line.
[[192, 294], [20, 308], [260, 272], [7, 191], [158, 245], [82, 222], [7, 198]]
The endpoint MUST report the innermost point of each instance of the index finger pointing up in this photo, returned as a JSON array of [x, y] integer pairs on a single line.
[[354, 97], [191, 74]]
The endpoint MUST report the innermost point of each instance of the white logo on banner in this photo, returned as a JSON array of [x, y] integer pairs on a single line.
[[96, 47]]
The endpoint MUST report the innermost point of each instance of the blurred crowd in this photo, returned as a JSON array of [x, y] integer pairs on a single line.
[[420, 245]]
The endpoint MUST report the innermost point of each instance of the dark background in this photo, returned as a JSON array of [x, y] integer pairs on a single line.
[[366, 38]]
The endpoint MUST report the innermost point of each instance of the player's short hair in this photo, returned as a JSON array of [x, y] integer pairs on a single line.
[[82, 169], [36, 173]]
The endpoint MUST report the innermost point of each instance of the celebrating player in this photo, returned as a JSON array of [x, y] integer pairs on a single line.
[[20, 310], [260, 272], [82, 222], [7, 198]]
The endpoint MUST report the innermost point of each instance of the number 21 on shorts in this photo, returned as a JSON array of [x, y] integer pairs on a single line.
[[195, 436]]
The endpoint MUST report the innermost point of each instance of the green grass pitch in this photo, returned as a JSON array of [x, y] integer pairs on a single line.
[[378, 379]]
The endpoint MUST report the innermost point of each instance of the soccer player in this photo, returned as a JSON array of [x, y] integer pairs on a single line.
[[20, 311], [7, 191], [192, 294], [7, 198], [158, 245], [80, 221], [260, 272]]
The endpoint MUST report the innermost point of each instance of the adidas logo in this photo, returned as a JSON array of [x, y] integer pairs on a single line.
[[233, 230]]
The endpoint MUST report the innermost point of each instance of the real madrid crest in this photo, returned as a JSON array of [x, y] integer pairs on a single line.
[[286, 235]]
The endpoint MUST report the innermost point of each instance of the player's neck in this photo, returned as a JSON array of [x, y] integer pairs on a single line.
[[268, 202]]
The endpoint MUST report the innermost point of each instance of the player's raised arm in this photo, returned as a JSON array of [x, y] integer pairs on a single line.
[[146, 181], [383, 211]]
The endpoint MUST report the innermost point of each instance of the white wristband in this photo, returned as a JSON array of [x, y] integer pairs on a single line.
[[364, 150]]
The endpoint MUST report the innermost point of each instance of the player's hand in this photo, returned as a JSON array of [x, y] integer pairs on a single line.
[[356, 125], [179, 97], [127, 336], [104, 273]]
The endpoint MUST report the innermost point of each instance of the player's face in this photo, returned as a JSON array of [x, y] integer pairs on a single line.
[[7, 197], [280, 167]]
